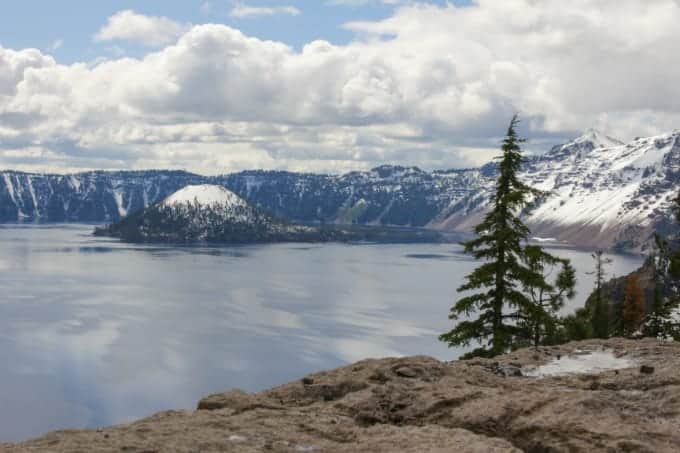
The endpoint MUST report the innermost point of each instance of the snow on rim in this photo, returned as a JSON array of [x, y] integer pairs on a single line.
[[205, 195], [540, 239], [589, 363]]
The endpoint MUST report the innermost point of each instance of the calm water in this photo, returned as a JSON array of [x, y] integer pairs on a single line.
[[95, 332]]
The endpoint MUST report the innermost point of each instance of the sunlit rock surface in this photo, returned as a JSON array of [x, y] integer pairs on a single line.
[[419, 404]]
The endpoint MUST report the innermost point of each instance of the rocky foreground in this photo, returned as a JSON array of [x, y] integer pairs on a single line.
[[419, 404]]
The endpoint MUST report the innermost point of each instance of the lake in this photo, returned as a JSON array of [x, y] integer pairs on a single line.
[[95, 332]]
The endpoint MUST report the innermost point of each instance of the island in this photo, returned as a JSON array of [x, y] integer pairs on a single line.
[[209, 213]]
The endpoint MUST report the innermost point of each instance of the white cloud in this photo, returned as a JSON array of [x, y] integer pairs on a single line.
[[56, 44], [369, 2], [241, 11], [128, 25], [429, 85]]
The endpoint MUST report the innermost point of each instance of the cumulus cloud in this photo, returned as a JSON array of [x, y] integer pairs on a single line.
[[368, 2], [128, 25], [430, 85], [241, 10]]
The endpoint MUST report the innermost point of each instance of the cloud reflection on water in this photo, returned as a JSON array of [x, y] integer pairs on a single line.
[[93, 331]]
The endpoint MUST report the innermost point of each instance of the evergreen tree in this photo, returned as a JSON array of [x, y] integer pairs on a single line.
[[665, 262], [577, 326], [658, 260], [633, 305], [663, 320], [500, 302], [541, 324], [600, 308]]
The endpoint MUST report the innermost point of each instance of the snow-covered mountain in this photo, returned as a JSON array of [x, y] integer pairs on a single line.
[[616, 194], [599, 192], [85, 197]]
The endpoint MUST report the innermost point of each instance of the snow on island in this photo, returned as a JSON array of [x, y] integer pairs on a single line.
[[204, 195], [587, 363]]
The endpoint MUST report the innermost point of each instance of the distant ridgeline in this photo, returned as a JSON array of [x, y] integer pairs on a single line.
[[386, 195], [599, 192]]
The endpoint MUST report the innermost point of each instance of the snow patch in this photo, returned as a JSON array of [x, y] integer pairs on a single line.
[[10, 187], [118, 197], [598, 139], [589, 363], [74, 182], [539, 239], [204, 195]]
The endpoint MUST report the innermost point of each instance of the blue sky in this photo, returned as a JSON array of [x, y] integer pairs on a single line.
[[216, 86], [73, 23]]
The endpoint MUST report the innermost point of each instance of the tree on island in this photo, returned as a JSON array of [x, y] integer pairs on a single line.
[[505, 309]]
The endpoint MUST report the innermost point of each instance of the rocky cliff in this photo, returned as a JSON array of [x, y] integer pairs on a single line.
[[595, 396]]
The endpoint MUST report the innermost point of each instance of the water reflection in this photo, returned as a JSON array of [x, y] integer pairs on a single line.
[[94, 332]]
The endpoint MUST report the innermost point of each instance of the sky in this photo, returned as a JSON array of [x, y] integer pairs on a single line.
[[216, 86]]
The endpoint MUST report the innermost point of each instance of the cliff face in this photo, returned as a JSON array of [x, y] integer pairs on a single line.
[[614, 289], [621, 395]]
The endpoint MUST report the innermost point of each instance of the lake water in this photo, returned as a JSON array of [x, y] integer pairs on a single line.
[[95, 332]]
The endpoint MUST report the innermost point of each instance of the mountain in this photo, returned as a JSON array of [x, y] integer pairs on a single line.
[[600, 192], [387, 195], [213, 214], [85, 197], [612, 194]]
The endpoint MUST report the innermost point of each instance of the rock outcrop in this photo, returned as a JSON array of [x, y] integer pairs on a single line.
[[419, 404]]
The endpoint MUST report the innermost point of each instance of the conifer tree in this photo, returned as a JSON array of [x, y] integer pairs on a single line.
[[547, 299], [658, 260], [600, 308], [496, 286], [633, 305], [577, 326], [665, 262]]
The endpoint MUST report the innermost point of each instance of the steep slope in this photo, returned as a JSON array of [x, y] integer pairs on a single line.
[[85, 197], [612, 195], [598, 192], [386, 195]]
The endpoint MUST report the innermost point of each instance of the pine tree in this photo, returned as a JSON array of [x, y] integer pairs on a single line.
[[577, 326], [663, 320], [633, 305], [665, 263], [499, 303], [541, 323], [600, 308]]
